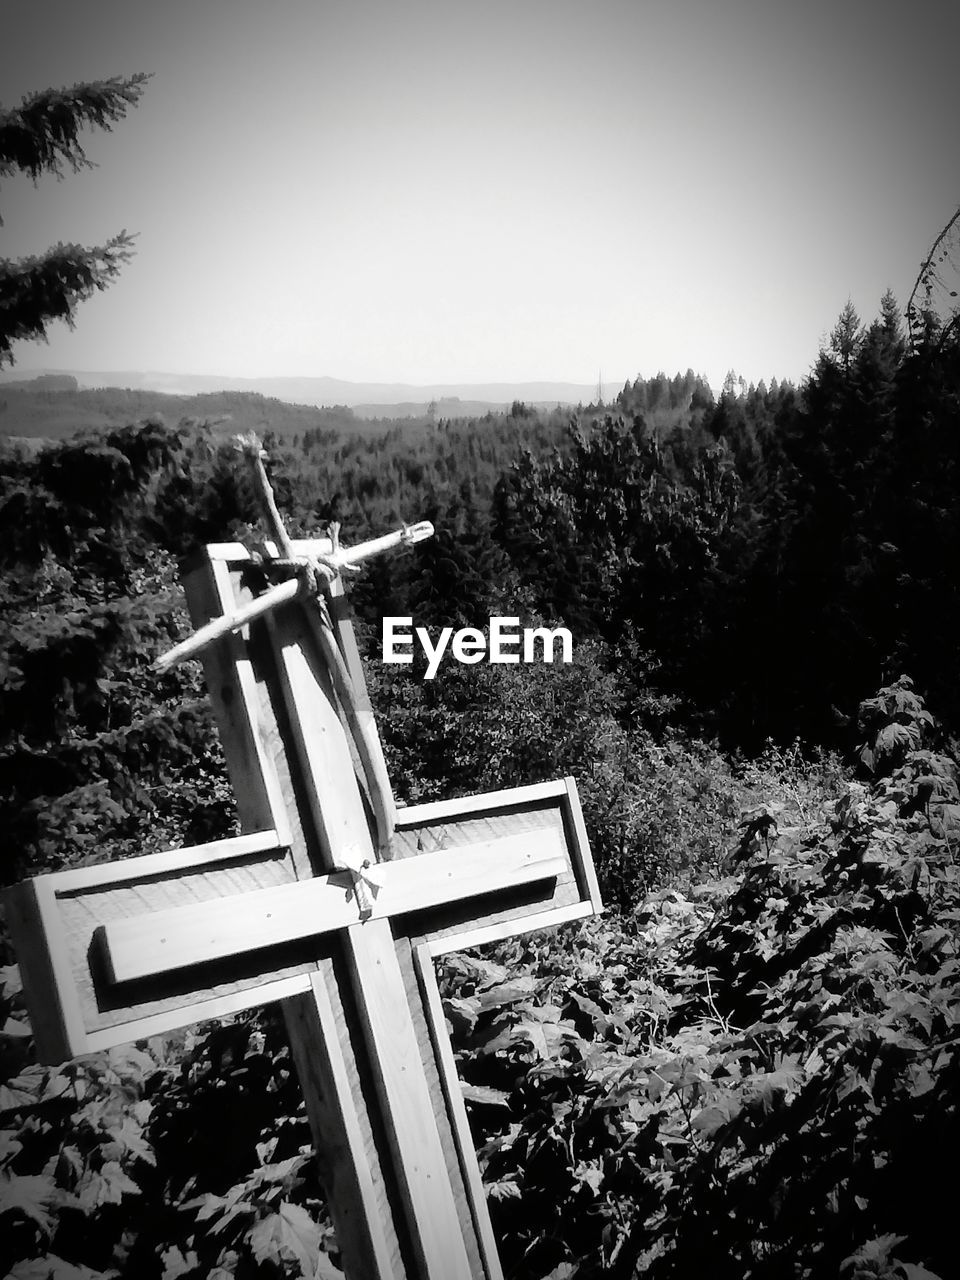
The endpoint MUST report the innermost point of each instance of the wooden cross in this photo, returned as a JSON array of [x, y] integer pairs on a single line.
[[121, 951]]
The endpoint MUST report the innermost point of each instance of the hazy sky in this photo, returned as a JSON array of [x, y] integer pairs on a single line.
[[533, 189]]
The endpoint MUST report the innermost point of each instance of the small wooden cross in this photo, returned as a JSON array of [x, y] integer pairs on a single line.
[[121, 951]]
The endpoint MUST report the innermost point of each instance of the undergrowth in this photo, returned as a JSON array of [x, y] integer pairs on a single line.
[[750, 1072]]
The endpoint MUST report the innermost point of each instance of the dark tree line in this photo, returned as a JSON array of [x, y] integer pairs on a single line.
[[755, 571]]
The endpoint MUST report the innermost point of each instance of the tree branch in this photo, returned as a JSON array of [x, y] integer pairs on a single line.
[[36, 290], [42, 134]]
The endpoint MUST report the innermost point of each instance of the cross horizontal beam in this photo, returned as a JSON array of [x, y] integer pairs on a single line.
[[160, 941], [59, 920]]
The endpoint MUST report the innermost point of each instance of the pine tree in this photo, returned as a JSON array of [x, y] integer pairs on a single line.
[[40, 136]]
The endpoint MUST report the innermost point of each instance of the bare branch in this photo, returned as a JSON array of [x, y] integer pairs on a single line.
[[944, 255]]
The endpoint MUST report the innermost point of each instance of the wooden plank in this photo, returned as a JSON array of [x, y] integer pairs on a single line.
[[254, 710], [355, 714], [177, 937], [78, 914], [457, 1112], [513, 904], [301, 547], [350, 1172], [247, 729], [453, 824], [422, 815], [55, 1020], [221, 1006], [405, 1101], [581, 843], [342, 621], [230, 552], [374, 773], [451, 1154], [482, 934], [237, 553], [334, 799], [152, 866]]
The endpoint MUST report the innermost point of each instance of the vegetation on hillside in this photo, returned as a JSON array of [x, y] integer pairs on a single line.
[[750, 1064]]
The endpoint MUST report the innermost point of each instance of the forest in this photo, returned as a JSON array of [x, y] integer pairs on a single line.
[[749, 1065]]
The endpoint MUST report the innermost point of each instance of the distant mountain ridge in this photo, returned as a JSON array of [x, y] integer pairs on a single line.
[[54, 408], [325, 391]]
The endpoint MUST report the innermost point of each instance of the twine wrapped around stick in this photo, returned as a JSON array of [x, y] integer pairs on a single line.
[[314, 577]]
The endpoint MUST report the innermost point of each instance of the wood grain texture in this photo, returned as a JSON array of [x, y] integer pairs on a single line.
[[374, 772], [349, 1168], [487, 802], [580, 844], [80, 914], [453, 824], [244, 720], [406, 1104], [480, 935], [159, 941], [459, 1124], [512, 903], [233, 1000], [55, 1032], [354, 713], [170, 862], [338, 814]]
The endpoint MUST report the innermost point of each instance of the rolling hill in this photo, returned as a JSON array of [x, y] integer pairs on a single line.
[[54, 406]]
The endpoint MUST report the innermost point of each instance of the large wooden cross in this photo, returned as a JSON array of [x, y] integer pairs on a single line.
[[301, 908]]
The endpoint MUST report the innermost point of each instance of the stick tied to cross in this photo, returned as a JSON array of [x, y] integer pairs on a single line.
[[314, 577]]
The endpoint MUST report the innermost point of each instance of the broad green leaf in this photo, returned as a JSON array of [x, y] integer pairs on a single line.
[[176, 1263], [876, 1251], [485, 1094], [506, 1189], [30, 1195], [108, 1186], [288, 1235], [13, 1098], [508, 992], [565, 1271], [10, 982], [53, 1268], [589, 1174], [16, 1029], [461, 1013], [326, 1270], [712, 1118]]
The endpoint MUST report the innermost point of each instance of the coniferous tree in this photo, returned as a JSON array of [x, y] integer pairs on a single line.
[[40, 136]]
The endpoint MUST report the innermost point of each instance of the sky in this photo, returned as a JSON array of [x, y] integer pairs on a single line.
[[512, 190]]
